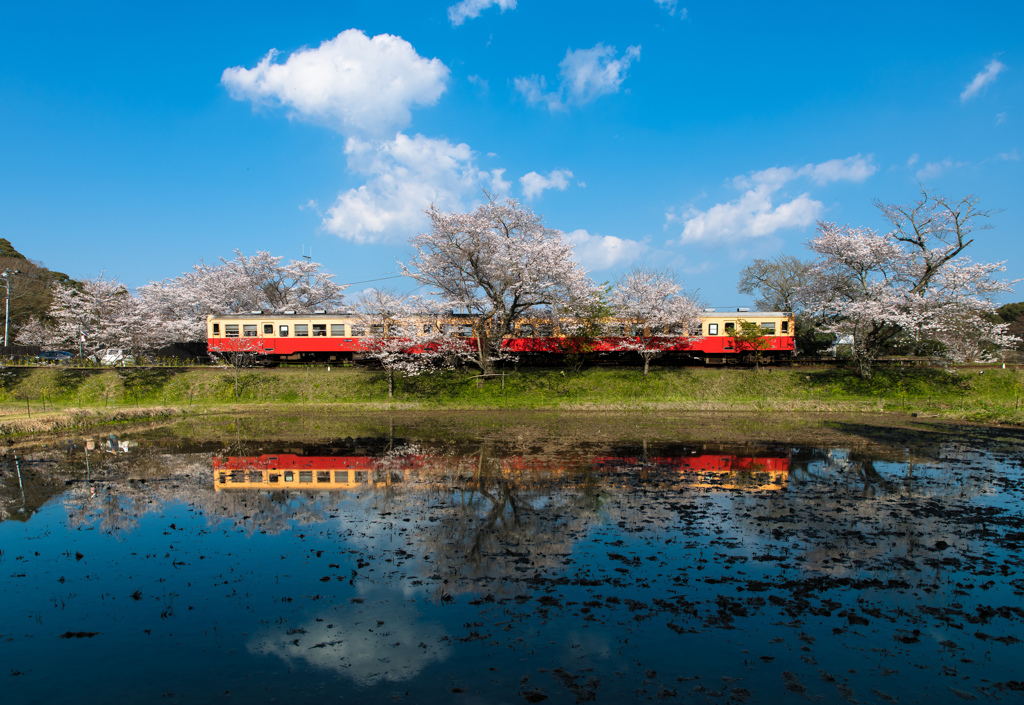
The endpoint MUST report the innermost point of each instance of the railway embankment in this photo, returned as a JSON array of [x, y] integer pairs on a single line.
[[34, 400]]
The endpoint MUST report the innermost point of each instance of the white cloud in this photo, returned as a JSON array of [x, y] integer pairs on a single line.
[[670, 6], [585, 76], [350, 83], [1000, 118], [533, 89], [480, 83], [913, 159], [755, 215], [597, 252], [534, 184], [982, 79], [932, 170], [471, 9], [856, 168], [403, 177], [751, 216]]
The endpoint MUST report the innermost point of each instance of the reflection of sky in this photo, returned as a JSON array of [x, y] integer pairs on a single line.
[[619, 574], [367, 642]]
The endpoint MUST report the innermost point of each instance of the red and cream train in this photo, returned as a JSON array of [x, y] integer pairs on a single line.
[[288, 336]]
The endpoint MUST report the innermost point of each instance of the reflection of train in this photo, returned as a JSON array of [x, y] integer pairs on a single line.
[[285, 471], [327, 337]]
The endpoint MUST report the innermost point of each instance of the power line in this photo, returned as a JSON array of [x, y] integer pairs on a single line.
[[365, 281]]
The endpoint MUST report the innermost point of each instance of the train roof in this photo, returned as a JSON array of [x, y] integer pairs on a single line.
[[350, 312]]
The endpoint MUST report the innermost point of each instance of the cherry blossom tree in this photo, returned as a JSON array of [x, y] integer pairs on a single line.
[[910, 283], [654, 310], [256, 283], [402, 333], [499, 264], [96, 314]]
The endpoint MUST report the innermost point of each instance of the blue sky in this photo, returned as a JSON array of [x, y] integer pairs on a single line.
[[137, 140]]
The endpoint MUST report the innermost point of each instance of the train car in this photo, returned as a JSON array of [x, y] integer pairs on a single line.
[[320, 336], [286, 471]]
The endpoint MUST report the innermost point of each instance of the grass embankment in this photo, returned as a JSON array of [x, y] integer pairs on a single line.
[[65, 398]]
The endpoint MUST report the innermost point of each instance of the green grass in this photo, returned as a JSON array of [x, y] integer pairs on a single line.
[[996, 395]]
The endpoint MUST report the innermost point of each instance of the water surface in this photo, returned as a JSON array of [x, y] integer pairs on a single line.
[[413, 570]]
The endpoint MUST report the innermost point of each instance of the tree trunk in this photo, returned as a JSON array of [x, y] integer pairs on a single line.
[[391, 383], [647, 364]]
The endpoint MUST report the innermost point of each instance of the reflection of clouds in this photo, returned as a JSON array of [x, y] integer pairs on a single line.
[[367, 643]]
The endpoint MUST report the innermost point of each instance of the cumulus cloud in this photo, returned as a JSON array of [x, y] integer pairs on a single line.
[[584, 76], [350, 83], [365, 88], [471, 9], [755, 214], [597, 252], [984, 77], [403, 177], [534, 184]]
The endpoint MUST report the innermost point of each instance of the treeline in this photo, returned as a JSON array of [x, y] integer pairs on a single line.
[[910, 290]]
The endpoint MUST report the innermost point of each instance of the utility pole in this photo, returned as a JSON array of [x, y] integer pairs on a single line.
[[6, 274]]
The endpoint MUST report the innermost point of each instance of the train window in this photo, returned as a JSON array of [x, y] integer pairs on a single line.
[[274, 477], [231, 330], [282, 331], [785, 326], [358, 330], [249, 330], [466, 331], [301, 330], [341, 475], [377, 331], [216, 328], [545, 330], [323, 475], [712, 329], [268, 329], [393, 329], [700, 329], [338, 329], [428, 329], [289, 476], [768, 327], [305, 475], [319, 330], [526, 330], [361, 476], [730, 328]]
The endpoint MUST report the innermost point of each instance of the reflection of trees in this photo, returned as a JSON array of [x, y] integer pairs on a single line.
[[480, 515], [857, 509], [497, 516]]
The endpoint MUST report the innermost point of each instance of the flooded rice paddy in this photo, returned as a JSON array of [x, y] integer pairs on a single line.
[[409, 569]]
